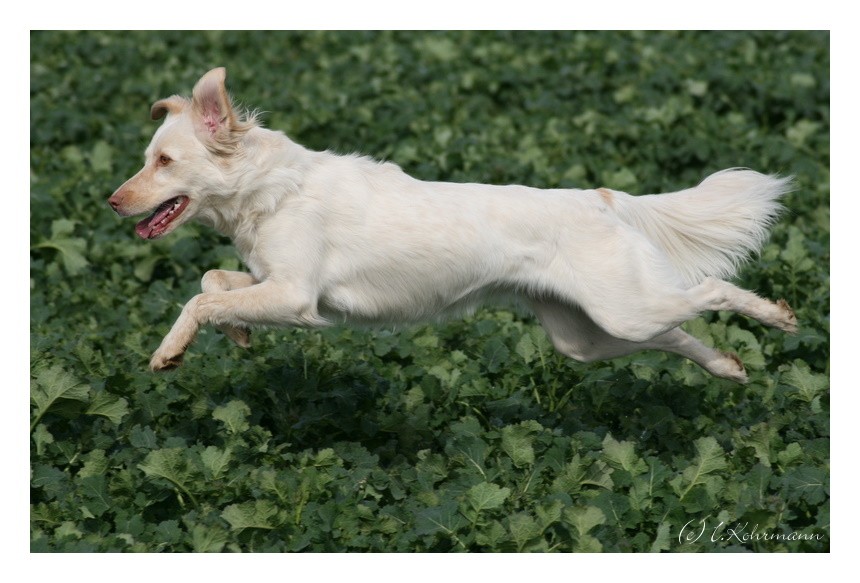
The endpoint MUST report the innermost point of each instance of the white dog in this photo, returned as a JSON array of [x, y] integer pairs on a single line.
[[332, 239]]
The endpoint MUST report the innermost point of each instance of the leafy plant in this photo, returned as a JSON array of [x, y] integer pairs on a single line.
[[469, 436]]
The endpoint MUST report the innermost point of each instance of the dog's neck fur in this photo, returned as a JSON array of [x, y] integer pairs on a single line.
[[255, 190]]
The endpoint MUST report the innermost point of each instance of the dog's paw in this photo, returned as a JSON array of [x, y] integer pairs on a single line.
[[729, 367], [159, 362], [241, 336], [787, 321]]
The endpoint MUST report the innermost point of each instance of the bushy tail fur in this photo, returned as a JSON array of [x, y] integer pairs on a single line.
[[711, 229]]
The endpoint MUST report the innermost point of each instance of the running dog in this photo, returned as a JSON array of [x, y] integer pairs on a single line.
[[332, 239]]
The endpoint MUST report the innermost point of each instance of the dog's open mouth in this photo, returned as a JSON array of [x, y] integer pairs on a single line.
[[158, 223]]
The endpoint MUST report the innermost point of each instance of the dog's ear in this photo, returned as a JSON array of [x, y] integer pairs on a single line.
[[213, 110], [171, 105]]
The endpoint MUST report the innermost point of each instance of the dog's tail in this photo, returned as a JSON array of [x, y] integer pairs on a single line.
[[711, 229]]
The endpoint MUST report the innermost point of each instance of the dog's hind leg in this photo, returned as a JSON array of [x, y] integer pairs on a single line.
[[714, 294], [630, 288], [221, 280], [654, 308], [576, 335], [648, 314]]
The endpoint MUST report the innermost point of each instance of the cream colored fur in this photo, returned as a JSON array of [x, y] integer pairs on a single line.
[[334, 239]]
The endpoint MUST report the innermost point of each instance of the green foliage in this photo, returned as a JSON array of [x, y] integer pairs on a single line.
[[468, 436]]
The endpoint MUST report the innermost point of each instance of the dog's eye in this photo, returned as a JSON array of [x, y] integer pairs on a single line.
[[164, 160]]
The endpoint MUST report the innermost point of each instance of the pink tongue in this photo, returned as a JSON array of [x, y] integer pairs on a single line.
[[145, 227]]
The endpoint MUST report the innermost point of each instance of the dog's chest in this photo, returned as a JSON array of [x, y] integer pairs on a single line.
[[245, 246]]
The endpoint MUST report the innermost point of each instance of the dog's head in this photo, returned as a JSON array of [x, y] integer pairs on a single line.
[[188, 159]]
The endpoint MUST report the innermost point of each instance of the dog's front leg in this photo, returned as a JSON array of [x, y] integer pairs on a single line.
[[221, 280], [266, 303]]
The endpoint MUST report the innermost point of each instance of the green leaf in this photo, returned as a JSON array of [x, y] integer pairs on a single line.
[[143, 268], [441, 48], [95, 495], [42, 437], [234, 415], [583, 518], [49, 386], [101, 156], [807, 483], [804, 80], [696, 87], [791, 454], [496, 354], [72, 249], [443, 518], [72, 154], [796, 252], [588, 544], [54, 383], [53, 481], [526, 348], [661, 541], [215, 461], [427, 340], [753, 491], [107, 405], [710, 457], [168, 463], [486, 496], [578, 473], [747, 346], [598, 474], [253, 514], [491, 535], [517, 442], [168, 532], [414, 397], [549, 514], [72, 252], [801, 131], [471, 452], [645, 486], [523, 529], [68, 529], [208, 539], [759, 437], [622, 455], [143, 437], [623, 179], [808, 384], [96, 463], [62, 227], [171, 465]]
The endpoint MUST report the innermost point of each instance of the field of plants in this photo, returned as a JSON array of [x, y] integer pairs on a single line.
[[467, 436]]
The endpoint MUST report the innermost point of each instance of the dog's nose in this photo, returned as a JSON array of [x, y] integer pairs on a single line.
[[113, 201]]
